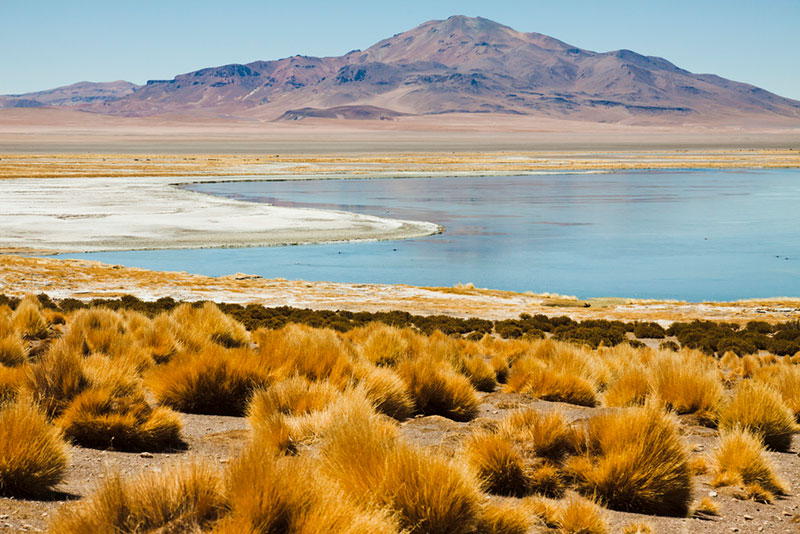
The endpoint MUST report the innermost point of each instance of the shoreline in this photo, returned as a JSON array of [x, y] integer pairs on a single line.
[[115, 214], [85, 280]]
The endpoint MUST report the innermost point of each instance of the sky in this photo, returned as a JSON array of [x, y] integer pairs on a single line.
[[48, 43]]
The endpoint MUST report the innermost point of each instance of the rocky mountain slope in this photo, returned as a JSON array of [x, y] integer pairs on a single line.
[[461, 64]]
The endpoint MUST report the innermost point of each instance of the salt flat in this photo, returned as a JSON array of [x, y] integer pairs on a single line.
[[125, 213]]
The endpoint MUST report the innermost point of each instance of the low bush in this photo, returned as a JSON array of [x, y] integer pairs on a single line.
[[636, 462], [185, 498], [759, 409], [33, 457], [649, 331]]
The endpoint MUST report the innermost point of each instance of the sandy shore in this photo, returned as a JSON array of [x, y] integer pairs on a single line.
[[124, 213]]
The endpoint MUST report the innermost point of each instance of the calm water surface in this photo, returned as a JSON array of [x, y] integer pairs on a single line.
[[694, 235]]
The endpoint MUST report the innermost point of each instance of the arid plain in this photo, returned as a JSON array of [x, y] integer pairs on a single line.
[[471, 411]]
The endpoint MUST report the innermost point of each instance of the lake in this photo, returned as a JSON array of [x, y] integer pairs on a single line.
[[689, 235]]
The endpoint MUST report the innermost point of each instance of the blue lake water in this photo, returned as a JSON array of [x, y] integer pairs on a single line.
[[693, 235]]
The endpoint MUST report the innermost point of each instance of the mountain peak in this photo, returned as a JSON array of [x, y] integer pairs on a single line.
[[460, 64]]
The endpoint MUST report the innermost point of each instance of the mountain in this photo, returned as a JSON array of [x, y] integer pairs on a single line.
[[462, 64], [77, 94]]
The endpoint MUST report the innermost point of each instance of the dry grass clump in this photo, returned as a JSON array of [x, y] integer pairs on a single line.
[[270, 493], [499, 464], [637, 528], [687, 382], [12, 350], [97, 418], [636, 462], [57, 378], [384, 345], [706, 508], [575, 515], [33, 457], [196, 326], [759, 409], [580, 516], [499, 364], [186, 498], [295, 396], [534, 376], [784, 379], [546, 435], [437, 389], [215, 381], [11, 380], [428, 493], [316, 353], [28, 319], [740, 459], [523, 456], [502, 518], [630, 388], [156, 337], [386, 390]]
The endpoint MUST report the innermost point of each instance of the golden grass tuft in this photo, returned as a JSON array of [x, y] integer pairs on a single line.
[[637, 528], [580, 516], [637, 462], [437, 389], [686, 382], [502, 518], [295, 396], [500, 466], [740, 459], [428, 493], [535, 377], [630, 388], [12, 351], [98, 419], [759, 409], [316, 353], [184, 498], [385, 345], [501, 369], [706, 508], [11, 381], [546, 435], [269, 493], [57, 378], [33, 457], [386, 390], [195, 326], [158, 340], [215, 381], [783, 379], [28, 319]]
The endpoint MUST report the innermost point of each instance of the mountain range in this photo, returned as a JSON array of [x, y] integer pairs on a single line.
[[458, 65]]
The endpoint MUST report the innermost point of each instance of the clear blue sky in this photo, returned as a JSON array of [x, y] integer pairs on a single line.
[[47, 43]]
